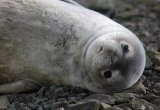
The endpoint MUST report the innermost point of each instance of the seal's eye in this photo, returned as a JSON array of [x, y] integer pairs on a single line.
[[125, 48], [107, 74]]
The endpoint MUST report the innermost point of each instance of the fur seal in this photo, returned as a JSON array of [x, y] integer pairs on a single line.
[[45, 42]]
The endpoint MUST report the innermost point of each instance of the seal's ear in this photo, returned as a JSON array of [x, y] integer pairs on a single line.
[[72, 2]]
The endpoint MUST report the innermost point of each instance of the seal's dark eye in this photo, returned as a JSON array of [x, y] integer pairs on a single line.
[[107, 74], [125, 48]]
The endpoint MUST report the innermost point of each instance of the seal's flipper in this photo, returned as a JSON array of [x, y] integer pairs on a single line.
[[72, 2], [19, 87]]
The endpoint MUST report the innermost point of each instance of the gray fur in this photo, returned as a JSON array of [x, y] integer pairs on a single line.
[[47, 41]]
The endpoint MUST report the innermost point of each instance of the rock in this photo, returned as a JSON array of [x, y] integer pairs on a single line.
[[148, 62], [101, 98], [156, 86], [50, 92], [61, 99], [124, 97], [57, 93], [113, 108], [149, 97], [32, 106], [157, 58], [88, 105], [97, 4], [72, 100], [148, 73], [137, 88], [58, 105], [82, 95], [60, 108], [154, 56], [12, 107], [125, 106], [143, 78], [156, 102], [140, 104], [105, 106], [139, 107], [155, 79], [41, 92], [39, 108], [157, 68], [39, 101], [3, 102], [146, 2], [46, 106]]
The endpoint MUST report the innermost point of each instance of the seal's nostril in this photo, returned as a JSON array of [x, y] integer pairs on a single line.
[[107, 74], [125, 48], [100, 49]]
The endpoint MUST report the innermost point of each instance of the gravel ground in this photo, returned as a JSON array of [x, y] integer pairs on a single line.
[[140, 16]]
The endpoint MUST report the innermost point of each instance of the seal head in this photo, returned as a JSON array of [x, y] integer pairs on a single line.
[[113, 62]]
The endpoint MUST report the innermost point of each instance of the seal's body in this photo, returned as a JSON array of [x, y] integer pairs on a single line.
[[45, 42]]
